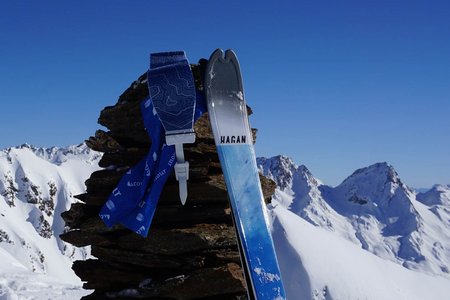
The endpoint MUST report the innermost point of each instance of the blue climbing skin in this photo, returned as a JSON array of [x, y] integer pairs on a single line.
[[133, 202], [171, 86]]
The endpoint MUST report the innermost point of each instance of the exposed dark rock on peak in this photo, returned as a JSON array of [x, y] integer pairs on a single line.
[[191, 250]]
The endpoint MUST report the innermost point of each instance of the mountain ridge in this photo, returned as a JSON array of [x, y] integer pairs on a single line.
[[374, 209], [370, 237], [36, 186]]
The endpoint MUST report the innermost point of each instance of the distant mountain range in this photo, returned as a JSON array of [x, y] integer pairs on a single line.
[[36, 186], [374, 210], [371, 237]]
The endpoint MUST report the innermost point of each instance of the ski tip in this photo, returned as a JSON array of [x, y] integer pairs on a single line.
[[219, 54], [227, 64], [230, 55]]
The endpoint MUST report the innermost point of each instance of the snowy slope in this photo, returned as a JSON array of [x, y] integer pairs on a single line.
[[318, 264], [372, 213], [371, 237], [36, 186], [17, 282]]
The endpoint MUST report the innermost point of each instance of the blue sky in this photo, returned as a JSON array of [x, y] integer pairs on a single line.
[[337, 85]]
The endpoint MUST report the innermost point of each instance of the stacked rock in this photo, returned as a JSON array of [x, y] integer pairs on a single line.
[[191, 251]]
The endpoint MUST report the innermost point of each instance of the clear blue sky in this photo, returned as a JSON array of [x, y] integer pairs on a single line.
[[337, 85]]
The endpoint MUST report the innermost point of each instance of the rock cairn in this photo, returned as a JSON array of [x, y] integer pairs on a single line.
[[191, 251]]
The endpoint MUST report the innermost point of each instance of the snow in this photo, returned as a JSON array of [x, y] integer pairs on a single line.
[[437, 195], [36, 186], [17, 282], [318, 264], [267, 276], [371, 237]]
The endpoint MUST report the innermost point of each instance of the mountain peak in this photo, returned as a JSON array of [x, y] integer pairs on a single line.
[[288, 176], [378, 168], [304, 170], [441, 187], [26, 145], [378, 174], [378, 189], [280, 160], [279, 168], [437, 195], [372, 208], [56, 155]]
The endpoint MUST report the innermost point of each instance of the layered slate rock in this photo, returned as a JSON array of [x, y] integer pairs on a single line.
[[191, 251]]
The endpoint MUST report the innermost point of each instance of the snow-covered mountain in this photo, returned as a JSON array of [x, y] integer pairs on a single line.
[[36, 186], [371, 237], [371, 210], [437, 195]]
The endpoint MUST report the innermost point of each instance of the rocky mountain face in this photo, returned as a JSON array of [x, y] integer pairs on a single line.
[[191, 250], [372, 208], [36, 186]]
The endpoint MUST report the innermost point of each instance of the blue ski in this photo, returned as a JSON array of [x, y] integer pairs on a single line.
[[229, 120]]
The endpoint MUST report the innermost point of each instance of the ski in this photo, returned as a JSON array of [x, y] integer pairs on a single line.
[[229, 121]]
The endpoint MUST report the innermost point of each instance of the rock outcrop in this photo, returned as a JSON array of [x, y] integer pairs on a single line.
[[191, 251]]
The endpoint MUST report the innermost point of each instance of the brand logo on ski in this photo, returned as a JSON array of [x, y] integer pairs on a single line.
[[233, 139]]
